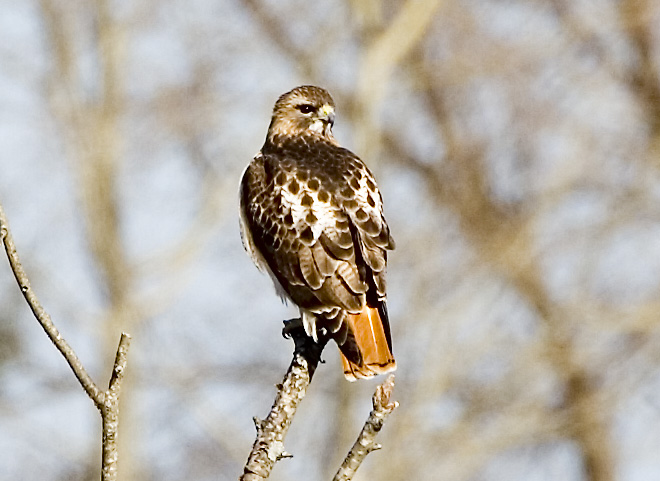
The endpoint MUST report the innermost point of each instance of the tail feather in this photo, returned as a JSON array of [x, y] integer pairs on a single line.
[[367, 350]]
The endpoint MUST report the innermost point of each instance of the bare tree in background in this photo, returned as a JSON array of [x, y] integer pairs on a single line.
[[92, 126]]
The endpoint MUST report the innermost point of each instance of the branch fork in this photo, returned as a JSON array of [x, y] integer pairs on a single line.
[[268, 447], [106, 401]]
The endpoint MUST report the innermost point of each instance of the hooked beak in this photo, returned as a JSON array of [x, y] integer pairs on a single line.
[[331, 118], [328, 114]]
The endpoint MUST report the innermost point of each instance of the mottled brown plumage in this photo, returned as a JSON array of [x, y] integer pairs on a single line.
[[312, 217]]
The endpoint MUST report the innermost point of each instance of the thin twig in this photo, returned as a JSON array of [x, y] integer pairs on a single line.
[[110, 411], [97, 395], [366, 441], [268, 447]]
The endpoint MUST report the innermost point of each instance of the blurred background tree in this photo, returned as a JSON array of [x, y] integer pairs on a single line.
[[517, 147]]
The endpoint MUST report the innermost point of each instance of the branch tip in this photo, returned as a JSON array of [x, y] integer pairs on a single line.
[[284, 455], [375, 447], [366, 441], [258, 424]]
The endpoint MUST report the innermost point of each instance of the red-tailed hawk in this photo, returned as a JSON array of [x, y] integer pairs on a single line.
[[312, 217]]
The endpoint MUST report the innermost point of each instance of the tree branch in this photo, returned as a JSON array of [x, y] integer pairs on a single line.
[[110, 411], [90, 387], [107, 402], [366, 441], [268, 448]]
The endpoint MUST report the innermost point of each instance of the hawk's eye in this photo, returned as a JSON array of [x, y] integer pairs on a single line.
[[306, 108]]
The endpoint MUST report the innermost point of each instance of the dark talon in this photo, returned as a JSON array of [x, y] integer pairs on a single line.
[[291, 326]]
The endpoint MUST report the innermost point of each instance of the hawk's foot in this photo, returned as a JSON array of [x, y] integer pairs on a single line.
[[292, 328]]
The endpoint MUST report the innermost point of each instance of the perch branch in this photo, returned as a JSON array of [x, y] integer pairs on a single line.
[[268, 447], [366, 441]]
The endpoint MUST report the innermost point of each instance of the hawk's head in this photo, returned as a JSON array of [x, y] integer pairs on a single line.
[[303, 110]]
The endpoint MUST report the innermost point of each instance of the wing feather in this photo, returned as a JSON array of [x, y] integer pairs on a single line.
[[326, 264], [335, 292], [332, 245], [349, 274], [309, 270]]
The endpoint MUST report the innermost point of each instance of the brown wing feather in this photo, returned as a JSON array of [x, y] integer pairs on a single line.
[[325, 263], [309, 269]]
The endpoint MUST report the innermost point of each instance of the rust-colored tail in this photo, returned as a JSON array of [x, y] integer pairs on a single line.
[[367, 350]]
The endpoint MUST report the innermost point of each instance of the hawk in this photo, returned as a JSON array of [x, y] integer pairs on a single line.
[[312, 218]]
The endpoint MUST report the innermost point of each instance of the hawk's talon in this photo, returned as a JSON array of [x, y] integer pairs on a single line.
[[291, 326]]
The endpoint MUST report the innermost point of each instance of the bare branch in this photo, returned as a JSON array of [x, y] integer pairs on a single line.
[[278, 32], [384, 53], [107, 402], [110, 411], [366, 441], [90, 387], [268, 448]]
